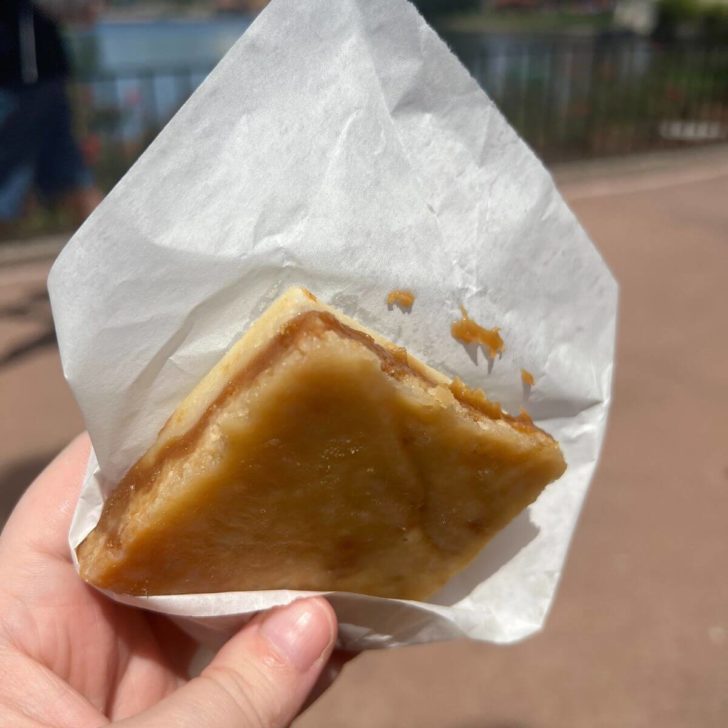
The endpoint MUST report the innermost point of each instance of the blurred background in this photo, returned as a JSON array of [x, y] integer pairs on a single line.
[[577, 78], [626, 101]]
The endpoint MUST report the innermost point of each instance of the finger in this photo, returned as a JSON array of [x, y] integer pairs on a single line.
[[259, 679], [43, 515]]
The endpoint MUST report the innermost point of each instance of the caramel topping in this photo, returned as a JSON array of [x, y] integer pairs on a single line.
[[468, 332], [403, 299], [524, 418], [477, 399], [527, 378]]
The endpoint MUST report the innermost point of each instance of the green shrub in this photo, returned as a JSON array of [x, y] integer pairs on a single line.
[[677, 18], [435, 8]]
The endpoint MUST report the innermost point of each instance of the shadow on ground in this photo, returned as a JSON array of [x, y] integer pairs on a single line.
[[16, 477], [34, 306]]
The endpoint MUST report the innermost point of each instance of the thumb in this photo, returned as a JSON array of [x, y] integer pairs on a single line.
[[260, 677]]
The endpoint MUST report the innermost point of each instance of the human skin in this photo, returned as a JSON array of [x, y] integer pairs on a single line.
[[71, 658]]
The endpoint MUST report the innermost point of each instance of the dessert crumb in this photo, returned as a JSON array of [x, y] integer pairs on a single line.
[[403, 299]]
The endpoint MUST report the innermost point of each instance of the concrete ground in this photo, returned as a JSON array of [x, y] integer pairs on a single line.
[[638, 635]]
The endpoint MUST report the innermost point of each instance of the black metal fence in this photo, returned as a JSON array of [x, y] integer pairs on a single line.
[[597, 98], [568, 100]]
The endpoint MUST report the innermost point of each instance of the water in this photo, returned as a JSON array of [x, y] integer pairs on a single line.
[[121, 47], [137, 74]]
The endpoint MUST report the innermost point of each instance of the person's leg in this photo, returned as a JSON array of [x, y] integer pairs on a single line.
[[62, 176], [21, 115]]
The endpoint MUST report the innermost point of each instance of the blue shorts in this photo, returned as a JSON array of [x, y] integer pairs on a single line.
[[37, 148]]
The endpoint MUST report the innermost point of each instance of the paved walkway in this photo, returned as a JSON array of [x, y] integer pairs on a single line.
[[639, 633]]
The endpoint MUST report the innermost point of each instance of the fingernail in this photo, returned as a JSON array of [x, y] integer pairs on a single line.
[[300, 632]]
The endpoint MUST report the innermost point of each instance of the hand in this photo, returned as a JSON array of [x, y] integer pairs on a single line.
[[71, 658]]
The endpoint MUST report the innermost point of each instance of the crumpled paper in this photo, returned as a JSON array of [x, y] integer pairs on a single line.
[[342, 147]]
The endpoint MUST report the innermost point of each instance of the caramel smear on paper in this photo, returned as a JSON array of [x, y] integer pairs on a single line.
[[468, 332]]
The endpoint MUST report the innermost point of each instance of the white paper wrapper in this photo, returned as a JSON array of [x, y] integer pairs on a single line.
[[344, 148]]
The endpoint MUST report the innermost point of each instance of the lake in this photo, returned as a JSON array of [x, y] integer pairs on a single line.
[[136, 74], [120, 47]]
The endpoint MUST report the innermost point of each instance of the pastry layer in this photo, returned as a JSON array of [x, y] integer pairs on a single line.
[[318, 456]]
